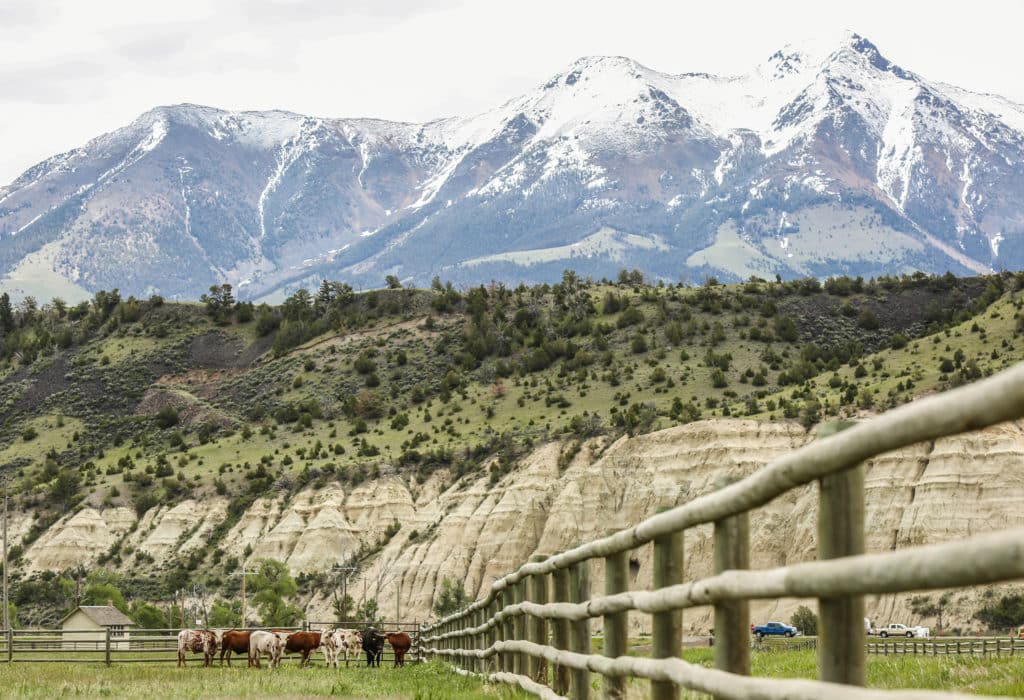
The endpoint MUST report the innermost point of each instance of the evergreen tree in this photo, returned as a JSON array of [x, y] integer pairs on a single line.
[[6, 313]]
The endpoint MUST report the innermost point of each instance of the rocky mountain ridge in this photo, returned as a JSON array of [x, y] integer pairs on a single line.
[[826, 159], [471, 532]]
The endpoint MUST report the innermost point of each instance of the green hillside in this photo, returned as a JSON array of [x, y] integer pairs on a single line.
[[140, 402]]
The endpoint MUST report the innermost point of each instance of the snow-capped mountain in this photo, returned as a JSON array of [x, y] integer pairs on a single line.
[[825, 159]]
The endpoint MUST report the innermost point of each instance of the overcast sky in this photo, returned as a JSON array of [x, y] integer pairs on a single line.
[[70, 69]]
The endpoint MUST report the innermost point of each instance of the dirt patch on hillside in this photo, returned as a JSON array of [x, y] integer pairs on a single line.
[[204, 383], [191, 411], [41, 386], [216, 350], [349, 338]]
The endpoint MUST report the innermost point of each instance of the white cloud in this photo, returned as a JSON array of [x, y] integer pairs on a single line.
[[73, 70]]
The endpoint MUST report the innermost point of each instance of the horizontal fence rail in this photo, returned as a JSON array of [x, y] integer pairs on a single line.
[[504, 636], [980, 647]]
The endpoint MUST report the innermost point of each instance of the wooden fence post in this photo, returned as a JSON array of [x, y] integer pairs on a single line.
[[732, 618], [579, 630], [560, 628], [469, 641], [107, 645], [508, 631], [616, 580], [841, 657], [519, 659], [494, 663], [539, 626], [10, 645], [481, 639], [667, 627]]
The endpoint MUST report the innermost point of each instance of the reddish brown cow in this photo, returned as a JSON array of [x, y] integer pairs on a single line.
[[234, 641], [400, 642], [304, 643]]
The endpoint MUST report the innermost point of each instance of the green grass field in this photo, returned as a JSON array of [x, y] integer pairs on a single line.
[[416, 682], [971, 674]]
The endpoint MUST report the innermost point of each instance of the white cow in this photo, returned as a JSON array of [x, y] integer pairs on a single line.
[[265, 643], [341, 641], [329, 645]]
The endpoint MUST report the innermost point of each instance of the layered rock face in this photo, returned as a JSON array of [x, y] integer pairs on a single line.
[[474, 532]]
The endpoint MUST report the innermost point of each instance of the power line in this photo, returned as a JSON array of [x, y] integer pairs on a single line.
[[348, 571]]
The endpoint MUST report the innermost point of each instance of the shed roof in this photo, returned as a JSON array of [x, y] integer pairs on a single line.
[[102, 615]]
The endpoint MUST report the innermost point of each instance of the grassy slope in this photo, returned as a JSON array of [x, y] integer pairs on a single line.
[[217, 374]]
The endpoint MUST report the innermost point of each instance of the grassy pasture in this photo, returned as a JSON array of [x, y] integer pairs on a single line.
[[419, 682]]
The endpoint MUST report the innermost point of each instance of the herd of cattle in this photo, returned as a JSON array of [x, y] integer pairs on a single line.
[[275, 643]]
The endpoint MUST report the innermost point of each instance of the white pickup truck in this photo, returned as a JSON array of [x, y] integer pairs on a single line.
[[895, 629]]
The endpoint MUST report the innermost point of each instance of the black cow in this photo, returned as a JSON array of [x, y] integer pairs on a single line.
[[373, 645]]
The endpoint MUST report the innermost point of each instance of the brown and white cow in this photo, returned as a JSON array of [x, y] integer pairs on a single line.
[[304, 643], [400, 642], [265, 644], [340, 641], [351, 644], [197, 641], [233, 641], [329, 647]]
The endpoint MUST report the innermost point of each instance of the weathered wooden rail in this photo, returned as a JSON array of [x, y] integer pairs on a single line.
[[514, 633], [979, 647]]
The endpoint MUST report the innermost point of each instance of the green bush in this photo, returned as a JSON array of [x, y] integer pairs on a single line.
[[167, 417], [805, 621]]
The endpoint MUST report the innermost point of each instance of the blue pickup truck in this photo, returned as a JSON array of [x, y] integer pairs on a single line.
[[772, 628]]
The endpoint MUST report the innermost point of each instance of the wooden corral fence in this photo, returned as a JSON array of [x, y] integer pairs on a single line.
[[541, 613], [148, 645], [980, 647]]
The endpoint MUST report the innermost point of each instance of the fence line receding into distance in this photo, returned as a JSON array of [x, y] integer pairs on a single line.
[[539, 615]]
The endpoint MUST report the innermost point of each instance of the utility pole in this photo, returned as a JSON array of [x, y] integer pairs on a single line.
[[346, 571], [243, 573], [7, 607]]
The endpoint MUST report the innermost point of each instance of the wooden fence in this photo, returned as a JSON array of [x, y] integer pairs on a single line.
[[541, 613], [979, 647]]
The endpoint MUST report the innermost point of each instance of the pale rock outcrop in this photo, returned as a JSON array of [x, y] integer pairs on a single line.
[[181, 528], [473, 531], [78, 539]]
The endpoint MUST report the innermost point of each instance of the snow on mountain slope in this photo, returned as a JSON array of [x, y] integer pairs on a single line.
[[186, 196]]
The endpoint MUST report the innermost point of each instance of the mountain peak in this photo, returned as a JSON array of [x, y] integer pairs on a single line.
[[813, 54], [589, 66]]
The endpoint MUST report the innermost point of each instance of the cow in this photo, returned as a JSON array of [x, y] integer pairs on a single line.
[[330, 644], [197, 641], [233, 641], [304, 643], [400, 643], [373, 645], [265, 643], [338, 641], [352, 642]]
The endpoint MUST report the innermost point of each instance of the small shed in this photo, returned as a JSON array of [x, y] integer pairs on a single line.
[[86, 627]]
